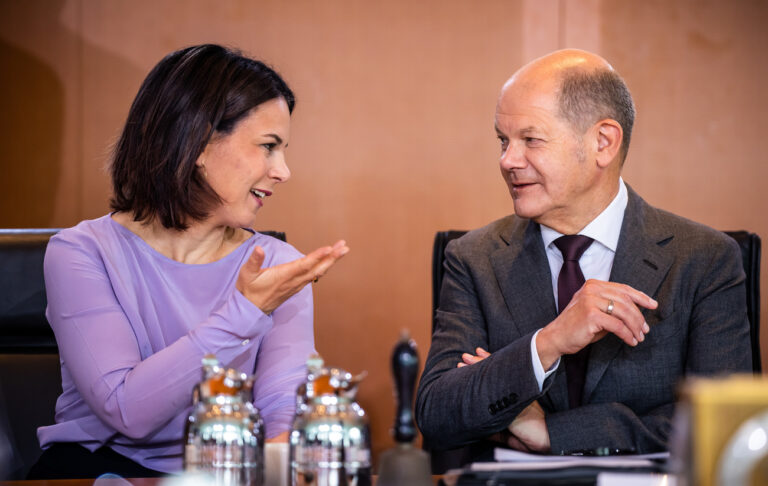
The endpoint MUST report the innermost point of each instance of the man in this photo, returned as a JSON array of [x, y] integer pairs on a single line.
[[657, 297]]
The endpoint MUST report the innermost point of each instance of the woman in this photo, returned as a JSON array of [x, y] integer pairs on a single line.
[[136, 298]]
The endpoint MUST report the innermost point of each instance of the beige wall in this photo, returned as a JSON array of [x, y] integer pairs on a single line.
[[393, 135]]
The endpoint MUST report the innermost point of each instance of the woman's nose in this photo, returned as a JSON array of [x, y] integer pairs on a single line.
[[280, 170]]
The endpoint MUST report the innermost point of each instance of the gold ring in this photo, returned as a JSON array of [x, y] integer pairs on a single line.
[[316, 279], [609, 309]]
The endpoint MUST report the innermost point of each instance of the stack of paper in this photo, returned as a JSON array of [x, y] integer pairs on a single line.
[[512, 460]]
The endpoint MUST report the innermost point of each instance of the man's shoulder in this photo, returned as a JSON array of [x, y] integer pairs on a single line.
[[683, 233], [495, 234]]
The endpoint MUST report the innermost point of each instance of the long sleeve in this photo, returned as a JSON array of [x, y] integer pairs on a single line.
[[132, 393], [452, 404], [132, 328], [281, 362]]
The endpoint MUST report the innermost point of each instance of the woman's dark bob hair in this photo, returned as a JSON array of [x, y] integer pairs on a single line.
[[190, 95]]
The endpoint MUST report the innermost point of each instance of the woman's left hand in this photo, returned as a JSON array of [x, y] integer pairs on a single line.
[[269, 287]]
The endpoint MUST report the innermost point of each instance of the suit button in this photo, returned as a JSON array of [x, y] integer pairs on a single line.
[[492, 409], [513, 397], [506, 401]]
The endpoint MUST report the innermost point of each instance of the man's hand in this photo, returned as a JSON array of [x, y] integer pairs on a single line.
[[595, 310], [269, 287], [469, 359], [529, 431]]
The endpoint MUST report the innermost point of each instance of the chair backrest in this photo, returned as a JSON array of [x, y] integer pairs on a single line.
[[280, 235], [750, 255], [750, 252], [30, 377], [30, 374]]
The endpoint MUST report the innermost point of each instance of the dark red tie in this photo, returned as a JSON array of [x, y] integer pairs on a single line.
[[568, 282]]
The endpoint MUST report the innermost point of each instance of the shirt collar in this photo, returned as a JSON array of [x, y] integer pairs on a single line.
[[605, 228]]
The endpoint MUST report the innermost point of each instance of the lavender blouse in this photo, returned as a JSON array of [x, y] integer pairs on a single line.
[[133, 326]]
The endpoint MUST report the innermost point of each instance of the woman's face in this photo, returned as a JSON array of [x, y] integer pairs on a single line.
[[244, 166]]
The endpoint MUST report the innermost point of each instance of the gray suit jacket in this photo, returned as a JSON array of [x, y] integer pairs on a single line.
[[497, 292]]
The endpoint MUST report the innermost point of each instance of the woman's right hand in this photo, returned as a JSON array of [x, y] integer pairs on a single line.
[[269, 287]]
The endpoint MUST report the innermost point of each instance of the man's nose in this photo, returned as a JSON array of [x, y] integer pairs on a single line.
[[512, 158]]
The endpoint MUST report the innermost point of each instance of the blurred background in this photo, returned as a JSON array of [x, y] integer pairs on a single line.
[[392, 138]]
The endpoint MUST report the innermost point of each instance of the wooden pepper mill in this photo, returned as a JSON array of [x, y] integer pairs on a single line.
[[404, 465]]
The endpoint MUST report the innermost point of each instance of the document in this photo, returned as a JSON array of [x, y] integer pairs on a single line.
[[511, 460], [629, 479]]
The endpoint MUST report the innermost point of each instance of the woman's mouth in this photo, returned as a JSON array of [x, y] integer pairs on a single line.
[[260, 194]]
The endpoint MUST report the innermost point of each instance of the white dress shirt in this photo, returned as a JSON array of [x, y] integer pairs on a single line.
[[596, 262]]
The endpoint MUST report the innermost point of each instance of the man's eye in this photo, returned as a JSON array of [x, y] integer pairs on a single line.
[[532, 140], [503, 142]]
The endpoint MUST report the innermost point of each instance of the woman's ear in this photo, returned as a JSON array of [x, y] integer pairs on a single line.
[[200, 163]]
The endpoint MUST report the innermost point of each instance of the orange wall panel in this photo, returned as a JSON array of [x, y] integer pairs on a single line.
[[392, 138]]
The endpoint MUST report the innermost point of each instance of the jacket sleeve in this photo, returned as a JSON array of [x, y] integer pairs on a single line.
[[457, 406]]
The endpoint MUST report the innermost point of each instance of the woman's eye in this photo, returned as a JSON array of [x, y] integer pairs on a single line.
[[269, 146]]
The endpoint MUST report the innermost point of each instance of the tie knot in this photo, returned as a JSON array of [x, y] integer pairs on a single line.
[[573, 246]]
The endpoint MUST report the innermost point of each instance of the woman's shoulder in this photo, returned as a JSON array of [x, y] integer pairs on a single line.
[[86, 233], [82, 245], [276, 250]]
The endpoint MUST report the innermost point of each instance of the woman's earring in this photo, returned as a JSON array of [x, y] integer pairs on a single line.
[[205, 172]]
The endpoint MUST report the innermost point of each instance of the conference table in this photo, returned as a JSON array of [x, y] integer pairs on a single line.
[[115, 482], [87, 482]]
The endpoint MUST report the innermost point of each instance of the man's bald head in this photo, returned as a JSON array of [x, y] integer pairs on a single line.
[[586, 87]]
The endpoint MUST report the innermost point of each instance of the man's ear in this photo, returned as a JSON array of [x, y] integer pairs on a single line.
[[609, 135]]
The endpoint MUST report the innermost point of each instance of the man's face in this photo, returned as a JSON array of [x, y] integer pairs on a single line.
[[543, 160]]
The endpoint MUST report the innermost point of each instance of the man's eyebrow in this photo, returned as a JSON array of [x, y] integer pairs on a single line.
[[523, 131]]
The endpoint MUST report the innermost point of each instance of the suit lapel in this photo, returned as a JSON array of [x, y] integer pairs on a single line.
[[527, 291], [640, 262]]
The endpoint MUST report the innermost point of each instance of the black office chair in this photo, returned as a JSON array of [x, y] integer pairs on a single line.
[[750, 252], [30, 374], [30, 378]]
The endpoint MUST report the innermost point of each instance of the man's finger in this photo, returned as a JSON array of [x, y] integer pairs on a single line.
[[639, 298], [618, 328], [514, 443], [470, 358], [627, 312]]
